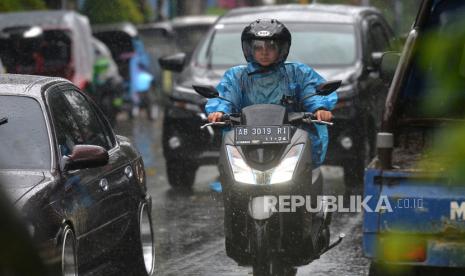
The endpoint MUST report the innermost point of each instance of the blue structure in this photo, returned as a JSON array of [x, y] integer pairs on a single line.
[[426, 223]]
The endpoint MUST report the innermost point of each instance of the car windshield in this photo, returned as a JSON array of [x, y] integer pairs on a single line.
[[188, 36], [316, 44], [25, 143], [119, 43], [48, 55], [158, 41]]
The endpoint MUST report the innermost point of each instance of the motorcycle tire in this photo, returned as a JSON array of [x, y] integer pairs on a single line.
[[261, 262]]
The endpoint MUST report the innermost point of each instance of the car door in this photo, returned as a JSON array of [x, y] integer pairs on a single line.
[[104, 189], [377, 40]]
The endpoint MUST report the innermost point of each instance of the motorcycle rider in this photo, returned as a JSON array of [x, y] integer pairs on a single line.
[[267, 78]]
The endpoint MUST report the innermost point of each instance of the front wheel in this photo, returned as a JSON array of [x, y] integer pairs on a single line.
[[140, 247], [146, 248], [264, 263]]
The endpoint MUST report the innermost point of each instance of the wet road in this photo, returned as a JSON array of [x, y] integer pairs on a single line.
[[189, 226]]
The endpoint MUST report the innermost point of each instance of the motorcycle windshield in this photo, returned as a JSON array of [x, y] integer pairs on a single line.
[[264, 115]]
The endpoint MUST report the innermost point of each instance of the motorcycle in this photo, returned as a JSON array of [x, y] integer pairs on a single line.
[[266, 156]]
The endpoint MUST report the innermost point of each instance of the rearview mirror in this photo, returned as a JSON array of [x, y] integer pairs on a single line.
[[173, 63], [389, 62], [328, 87], [85, 156], [207, 91]]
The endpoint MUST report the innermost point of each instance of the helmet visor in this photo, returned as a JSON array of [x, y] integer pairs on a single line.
[[256, 47], [264, 45]]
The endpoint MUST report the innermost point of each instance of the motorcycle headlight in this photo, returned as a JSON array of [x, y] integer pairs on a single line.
[[282, 173], [241, 171], [285, 170]]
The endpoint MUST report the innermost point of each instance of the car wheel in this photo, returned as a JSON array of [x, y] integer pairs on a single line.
[[139, 248], [69, 266], [180, 175], [147, 245]]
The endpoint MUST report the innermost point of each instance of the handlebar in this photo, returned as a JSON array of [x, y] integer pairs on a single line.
[[305, 117], [309, 121], [213, 124]]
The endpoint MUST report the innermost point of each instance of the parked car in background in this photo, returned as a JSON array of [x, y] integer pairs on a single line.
[[419, 164], [50, 43], [339, 42], [181, 34], [79, 187], [128, 51]]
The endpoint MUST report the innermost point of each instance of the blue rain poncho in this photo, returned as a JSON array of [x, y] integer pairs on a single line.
[[252, 84]]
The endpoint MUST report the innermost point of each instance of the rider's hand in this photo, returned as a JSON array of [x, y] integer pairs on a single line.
[[215, 117], [324, 115]]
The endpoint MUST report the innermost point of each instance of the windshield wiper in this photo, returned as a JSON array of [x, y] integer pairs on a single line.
[[3, 120]]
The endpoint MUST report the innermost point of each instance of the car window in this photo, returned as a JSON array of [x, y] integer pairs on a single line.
[[92, 130], [67, 131], [25, 141], [316, 44]]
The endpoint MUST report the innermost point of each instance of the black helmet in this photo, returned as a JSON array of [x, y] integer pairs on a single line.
[[266, 29]]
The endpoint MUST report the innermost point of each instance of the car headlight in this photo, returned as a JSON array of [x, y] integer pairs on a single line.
[[139, 172], [280, 174]]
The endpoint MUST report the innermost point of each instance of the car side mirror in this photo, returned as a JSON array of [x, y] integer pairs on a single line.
[[173, 63], [328, 87], [85, 156], [389, 61], [207, 91]]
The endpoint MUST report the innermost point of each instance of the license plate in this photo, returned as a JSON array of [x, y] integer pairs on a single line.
[[249, 135]]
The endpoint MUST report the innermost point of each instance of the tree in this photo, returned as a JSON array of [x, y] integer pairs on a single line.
[[18, 5], [104, 11]]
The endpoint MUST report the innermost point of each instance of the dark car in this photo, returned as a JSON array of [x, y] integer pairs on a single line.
[[79, 187], [14, 236], [340, 42]]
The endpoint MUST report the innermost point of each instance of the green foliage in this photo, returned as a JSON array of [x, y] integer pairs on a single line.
[[18, 5], [442, 59], [104, 11], [216, 11]]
